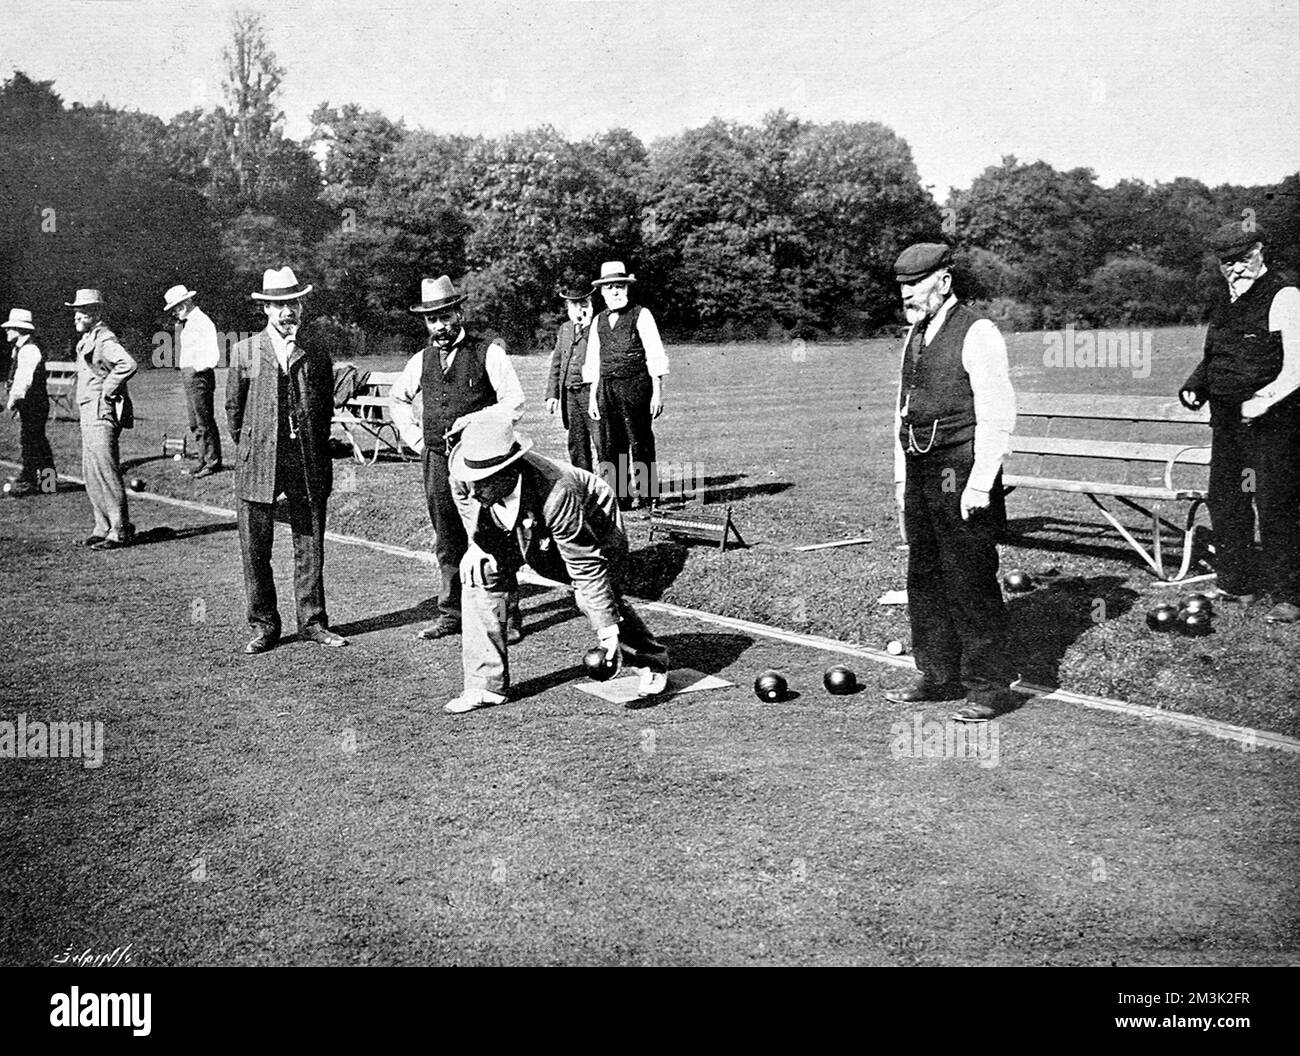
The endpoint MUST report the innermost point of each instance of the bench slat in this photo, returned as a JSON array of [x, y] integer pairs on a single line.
[[1097, 487], [1110, 408], [1123, 450]]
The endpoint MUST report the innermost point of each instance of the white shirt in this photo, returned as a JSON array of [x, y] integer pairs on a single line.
[[280, 346], [28, 358], [505, 383], [1283, 315], [984, 356], [199, 348], [656, 359], [506, 512]]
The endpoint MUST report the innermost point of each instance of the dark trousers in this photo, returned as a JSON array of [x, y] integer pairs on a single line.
[[626, 440], [954, 600], [450, 541], [256, 532], [33, 443], [575, 411], [198, 385], [1255, 470]]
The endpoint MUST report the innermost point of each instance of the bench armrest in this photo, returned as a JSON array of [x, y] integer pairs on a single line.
[[1169, 466]]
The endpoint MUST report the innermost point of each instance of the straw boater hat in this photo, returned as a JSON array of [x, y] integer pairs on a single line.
[[437, 295], [487, 445], [85, 299], [19, 319], [613, 271], [281, 285], [176, 295]]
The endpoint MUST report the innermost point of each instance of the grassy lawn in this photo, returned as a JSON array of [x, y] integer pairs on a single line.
[[317, 806], [797, 439]]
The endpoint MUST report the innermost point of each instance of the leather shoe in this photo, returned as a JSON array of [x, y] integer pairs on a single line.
[[1283, 612], [922, 691], [94, 540], [109, 544], [443, 627], [261, 643], [321, 636], [514, 632], [1225, 598], [206, 471]]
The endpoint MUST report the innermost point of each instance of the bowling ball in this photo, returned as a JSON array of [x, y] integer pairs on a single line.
[[895, 648], [1195, 624], [1018, 582], [839, 680], [136, 484], [770, 686], [10, 488], [178, 458], [1163, 618], [599, 666], [1198, 603]]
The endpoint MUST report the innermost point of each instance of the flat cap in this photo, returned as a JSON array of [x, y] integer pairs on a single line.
[[920, 259], [1235, 237]]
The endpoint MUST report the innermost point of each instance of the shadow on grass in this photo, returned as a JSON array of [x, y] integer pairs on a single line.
[[718, 490], [1065, 538], [653, 569], [166, 534], [1046, 622]]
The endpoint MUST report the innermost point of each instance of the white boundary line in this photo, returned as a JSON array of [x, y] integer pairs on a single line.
[[1244, 735]]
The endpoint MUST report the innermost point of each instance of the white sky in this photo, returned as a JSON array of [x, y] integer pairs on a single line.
[[1156, 90]]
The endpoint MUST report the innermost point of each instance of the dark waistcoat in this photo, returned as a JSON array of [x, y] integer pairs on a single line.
[[621, 353], [937, 403], [464, 389], [1241, 353]]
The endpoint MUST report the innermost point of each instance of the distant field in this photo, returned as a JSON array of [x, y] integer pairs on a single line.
[[797, 439]]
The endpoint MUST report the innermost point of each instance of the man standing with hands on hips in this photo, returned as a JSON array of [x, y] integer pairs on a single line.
[[198, 355], [104, 367], [279, 403], [1250, 374], [954, 417]]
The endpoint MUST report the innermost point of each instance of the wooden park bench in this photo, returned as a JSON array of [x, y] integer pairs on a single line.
[[1126, 448], [367, 418], [61, 384]]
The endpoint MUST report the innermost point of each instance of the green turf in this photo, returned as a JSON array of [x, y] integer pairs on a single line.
[[316, 806], [797, 439]]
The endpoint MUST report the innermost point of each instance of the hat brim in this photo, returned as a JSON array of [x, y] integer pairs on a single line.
[[169, 305], [284, 295], [917, 276], [456, 462], [574, 295], [427, 307], [1236, 252], [609, 280], [83, 304], [18, 326]]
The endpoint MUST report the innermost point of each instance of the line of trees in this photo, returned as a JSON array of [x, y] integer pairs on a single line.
[[788, 228]]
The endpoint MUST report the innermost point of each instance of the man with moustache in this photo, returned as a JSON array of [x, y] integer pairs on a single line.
[[459, 376], [954, 417], [104, 367], [1250, 375], [198, 352], [29, 400], [625, 367], [279, 404], [565, 389]]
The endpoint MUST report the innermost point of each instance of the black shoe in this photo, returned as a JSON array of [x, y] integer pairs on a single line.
[[205, 471], [922, 691], [262, 643], [110, 544], [93, 540], [443, 627], [514, 632], [321, 636]]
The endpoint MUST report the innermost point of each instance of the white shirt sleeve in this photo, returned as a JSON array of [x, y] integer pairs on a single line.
[[900, 459], [400, 398], [656, 359], [1283, 315], [984, 355], [505, 382], [28, 357], [591, 365]]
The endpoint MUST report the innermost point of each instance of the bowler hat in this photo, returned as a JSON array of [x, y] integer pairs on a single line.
[[1235, 237], [436, 295], [921, 259], [487, 445], [574, 289], [281, 285]]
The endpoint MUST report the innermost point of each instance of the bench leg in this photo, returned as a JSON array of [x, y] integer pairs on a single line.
[[1189, 538], [1128, 537]]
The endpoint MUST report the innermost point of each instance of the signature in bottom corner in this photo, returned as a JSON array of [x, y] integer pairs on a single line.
[[119, 958]]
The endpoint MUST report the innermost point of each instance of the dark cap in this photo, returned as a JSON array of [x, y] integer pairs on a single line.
[[572, 288], [1234, 238], [921, 259]]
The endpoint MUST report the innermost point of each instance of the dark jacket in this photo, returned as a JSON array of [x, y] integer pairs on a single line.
[[104, 367], [566, 358], [253, 414]]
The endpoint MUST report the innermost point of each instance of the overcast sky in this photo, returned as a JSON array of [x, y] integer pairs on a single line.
[[1203, 88]]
